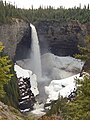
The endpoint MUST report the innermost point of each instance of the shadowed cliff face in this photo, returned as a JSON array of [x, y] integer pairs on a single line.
[[23, 47], [61, 38], [15, 38]]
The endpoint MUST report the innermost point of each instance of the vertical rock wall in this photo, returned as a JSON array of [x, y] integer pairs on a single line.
[[61, 38], [12, 34]]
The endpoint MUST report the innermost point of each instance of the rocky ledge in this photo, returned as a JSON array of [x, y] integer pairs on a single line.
[[9, 113]]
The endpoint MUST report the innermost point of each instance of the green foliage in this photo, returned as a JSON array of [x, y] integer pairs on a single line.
[[8, 11], [8, 81], [85, 53], [80, 108], [11, 90], [5, 74], [58, 107], [83, 57]]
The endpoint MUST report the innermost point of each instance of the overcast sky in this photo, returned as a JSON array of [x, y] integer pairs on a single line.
[[56, 3]]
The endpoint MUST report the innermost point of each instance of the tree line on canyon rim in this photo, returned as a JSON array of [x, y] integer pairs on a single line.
[[9, 11]]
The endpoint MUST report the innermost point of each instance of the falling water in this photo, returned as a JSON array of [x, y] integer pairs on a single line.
[[35, 53]]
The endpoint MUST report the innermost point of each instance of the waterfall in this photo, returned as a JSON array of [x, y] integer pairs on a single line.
[[35, 53]]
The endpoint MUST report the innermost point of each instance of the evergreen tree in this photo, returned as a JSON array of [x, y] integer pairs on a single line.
[[58, 107], [85, 54], [5, 74], [8, 82], [12, 91], [79, 109], [88, 7], [8, 11]]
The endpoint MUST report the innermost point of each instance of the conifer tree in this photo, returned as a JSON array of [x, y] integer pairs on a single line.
[[8, 82], [79, 109], [5, 74], [85, 54]]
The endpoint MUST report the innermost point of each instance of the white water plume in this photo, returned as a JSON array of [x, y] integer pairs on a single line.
[[35, 53]]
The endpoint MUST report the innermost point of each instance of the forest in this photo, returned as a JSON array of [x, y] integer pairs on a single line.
[[8, 11], [79, 109]]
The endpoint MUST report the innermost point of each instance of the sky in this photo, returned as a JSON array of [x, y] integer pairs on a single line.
[[55, 3]]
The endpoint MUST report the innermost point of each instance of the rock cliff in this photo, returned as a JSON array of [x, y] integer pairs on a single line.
[[15, 35], [61, 38]]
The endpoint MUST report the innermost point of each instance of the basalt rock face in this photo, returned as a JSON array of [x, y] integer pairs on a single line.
[[61, 38], [16, 38]]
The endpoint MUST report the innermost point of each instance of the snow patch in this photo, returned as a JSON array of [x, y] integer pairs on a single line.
[[20, 72], [63, 87]]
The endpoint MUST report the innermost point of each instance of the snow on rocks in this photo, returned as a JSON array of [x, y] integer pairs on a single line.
[[63, 87], [27, 83], [20, 72]]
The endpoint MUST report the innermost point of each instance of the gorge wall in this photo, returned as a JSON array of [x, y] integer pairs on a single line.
[[16, 38], [59, 38]]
